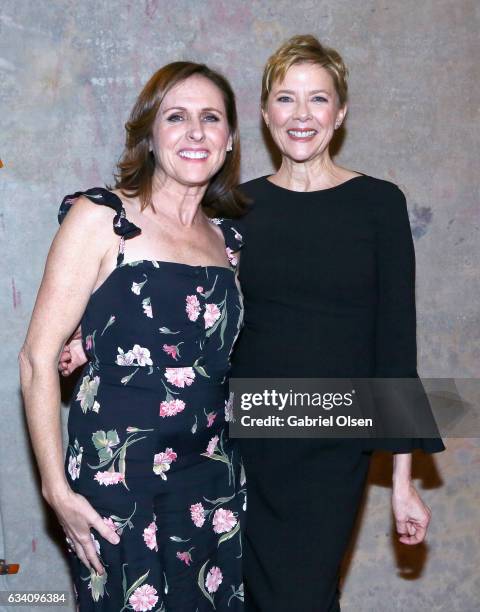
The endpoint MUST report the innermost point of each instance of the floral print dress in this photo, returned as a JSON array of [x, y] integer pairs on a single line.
[[148, 444]]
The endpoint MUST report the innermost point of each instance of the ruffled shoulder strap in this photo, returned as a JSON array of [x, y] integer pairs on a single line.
[[232, 236], [121, 225]]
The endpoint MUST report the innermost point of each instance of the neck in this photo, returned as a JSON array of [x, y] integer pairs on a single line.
[[180, 203], [311, 175]]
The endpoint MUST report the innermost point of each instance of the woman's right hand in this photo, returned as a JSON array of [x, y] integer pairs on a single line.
[[77, 516], [72, 356]]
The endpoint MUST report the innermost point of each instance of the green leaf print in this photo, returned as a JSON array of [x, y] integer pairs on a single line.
[[237, 594], [177, 539], [127, 379], [207, 294], [110, 322], [201, 371], [222, 307], [220, 500], [121, 460], [135, 585], [165, 330], [222, 330], [223, 458], [201, 582], [230, 534]]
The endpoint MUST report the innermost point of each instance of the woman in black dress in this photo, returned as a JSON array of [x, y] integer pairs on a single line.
[[151, 495], [327, 274]]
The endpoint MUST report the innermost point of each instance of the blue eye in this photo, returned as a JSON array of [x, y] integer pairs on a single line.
[[211, 118], [319, 99], [284, 99], [175, 118]]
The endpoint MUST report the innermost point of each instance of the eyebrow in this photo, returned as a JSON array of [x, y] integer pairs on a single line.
[[290, 91], [208, 108]]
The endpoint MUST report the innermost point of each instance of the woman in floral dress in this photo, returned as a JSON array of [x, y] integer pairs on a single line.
[[152, 492]]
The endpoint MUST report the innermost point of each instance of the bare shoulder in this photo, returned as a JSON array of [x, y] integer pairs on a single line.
[[87, 217], [86, 232]]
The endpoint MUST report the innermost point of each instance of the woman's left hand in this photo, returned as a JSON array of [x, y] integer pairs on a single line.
[[412, 516]]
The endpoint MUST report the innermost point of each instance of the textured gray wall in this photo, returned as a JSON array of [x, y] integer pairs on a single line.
[[69, 73]]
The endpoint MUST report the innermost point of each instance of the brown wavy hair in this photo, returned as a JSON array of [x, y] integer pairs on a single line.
[[137, 163]]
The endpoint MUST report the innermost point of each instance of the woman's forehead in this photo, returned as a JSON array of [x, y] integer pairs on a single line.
[[305, 75], [195, 91]]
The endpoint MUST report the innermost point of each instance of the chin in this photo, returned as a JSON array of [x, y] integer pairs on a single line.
[[195, 179], [299, 156]]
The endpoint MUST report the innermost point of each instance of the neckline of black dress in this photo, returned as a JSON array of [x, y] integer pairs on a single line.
[[346, 183]]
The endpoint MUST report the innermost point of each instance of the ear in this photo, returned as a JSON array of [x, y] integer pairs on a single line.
[[265, 117], [341, 114]]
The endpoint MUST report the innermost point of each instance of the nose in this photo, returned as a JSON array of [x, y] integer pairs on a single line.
[[195, 130], [302, 111]]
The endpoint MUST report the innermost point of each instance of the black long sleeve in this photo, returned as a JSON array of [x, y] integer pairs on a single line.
[[396, 334], [329, 287]]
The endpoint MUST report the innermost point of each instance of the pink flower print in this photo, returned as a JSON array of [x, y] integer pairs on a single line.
[[180, 377], [211, 418], [214, 579], [171, 349], [149, 535], [142, 355], [211, 315], [197, 512], [89, 342], [124, 359], [143, 598], [212, 445], [199, 289], [186, 557], [231, 257], [223, 520], [109, 478], [171, 408], [162, 462], [193, 307]]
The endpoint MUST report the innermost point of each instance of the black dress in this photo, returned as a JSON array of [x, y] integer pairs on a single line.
[[148, 443], [329, 291]]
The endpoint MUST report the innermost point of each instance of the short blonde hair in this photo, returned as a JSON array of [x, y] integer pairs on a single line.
[[297, 50]]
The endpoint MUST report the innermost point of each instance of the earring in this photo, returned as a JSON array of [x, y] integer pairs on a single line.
[[229, 148]]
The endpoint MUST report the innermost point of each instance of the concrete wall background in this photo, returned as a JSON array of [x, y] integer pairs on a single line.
[[69, 73]]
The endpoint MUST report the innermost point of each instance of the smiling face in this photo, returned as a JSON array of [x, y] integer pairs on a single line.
[[191, 135], [302, 112]]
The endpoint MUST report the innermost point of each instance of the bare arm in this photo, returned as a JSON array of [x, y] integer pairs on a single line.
[[412, 515], [71, 272]]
